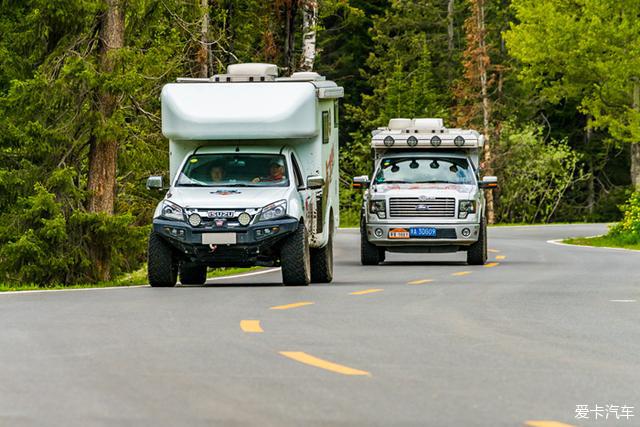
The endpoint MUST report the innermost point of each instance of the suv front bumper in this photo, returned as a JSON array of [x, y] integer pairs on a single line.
[[252, 246], [446, 234]]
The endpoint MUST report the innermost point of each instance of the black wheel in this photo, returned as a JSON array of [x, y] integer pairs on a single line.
[[193, 274], [322, 262], [295, 259], [369, 254], [162, 269], [477, 253]]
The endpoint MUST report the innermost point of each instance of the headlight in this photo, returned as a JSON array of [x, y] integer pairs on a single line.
[[466, 207], [195, 219], [273, 211], [172, 211], [244, 219], [378, 207]]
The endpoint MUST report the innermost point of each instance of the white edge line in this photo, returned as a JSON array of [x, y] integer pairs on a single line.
[[560, 243], [252, 273], [498, 227], [622, 300], [40, 291]]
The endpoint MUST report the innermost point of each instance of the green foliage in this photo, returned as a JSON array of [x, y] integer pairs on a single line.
[[627, 231], [44, 240], [533, 175]]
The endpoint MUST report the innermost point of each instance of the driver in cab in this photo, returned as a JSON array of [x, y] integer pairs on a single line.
[[276, 173]]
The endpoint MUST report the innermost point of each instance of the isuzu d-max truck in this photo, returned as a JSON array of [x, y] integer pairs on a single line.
[[425, 194], [253, 176]]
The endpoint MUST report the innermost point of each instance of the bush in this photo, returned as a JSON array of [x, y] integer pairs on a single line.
[[627, 231], [534, 174]]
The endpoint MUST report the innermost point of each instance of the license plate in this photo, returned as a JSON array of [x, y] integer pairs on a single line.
[[398, 233], [219, 238], [422, 232]]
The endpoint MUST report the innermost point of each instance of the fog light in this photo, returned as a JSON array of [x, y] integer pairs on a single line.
[[244, 219], [378, 232], [466, 232], [195, 220]]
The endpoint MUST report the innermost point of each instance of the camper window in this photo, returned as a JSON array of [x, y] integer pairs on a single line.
[[326, 127], [234, 170]]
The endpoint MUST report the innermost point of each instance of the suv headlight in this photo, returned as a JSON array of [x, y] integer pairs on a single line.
[[378, 207], [273, 211], [466, 207], [171, 211]]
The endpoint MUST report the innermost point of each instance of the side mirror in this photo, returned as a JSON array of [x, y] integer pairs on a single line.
[[489, 182], [361, 181], [315, 182], [155, 183]]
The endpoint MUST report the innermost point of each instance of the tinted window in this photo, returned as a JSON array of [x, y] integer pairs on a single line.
[[424, 170]]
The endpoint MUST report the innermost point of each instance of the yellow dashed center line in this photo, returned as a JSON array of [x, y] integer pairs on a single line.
[[420, 282], [491, 264], [366, 291], [500, 257], [494, 251], [543, 423], [250, 326], [294, 305], [461, 273], [305, 358]]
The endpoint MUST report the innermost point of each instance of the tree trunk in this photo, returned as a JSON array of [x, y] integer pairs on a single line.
[[203, 51], [103, 150], [309, 24], [483, 63], [450, 11], [291, 9], [635, 147]]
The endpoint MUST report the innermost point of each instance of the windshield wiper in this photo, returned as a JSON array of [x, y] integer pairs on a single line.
[[192, 185], [435, 182], [394, 182]]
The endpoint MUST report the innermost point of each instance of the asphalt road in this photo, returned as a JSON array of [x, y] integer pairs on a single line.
[[547, 328]]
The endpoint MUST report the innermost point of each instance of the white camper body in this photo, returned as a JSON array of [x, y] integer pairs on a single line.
[[246, 123], [425, 193]]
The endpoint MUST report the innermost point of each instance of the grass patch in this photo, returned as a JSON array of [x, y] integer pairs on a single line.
[[136, 278], [602, 242]]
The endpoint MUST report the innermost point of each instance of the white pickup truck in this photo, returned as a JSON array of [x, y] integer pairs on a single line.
[[253, 176], [425, 195]]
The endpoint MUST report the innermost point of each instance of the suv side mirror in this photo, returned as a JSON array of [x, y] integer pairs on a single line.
[[155, 183], [315, 182], [489, 182], [361, 181]]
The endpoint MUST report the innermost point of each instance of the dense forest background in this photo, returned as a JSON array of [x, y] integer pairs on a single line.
[[553, 84]]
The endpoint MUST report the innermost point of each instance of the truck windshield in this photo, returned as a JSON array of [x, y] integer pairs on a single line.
[[418, 170], [234, 170]]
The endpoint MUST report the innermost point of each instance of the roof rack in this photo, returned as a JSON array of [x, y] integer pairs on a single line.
[[424, 133]]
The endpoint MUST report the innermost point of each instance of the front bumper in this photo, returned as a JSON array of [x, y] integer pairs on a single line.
[[446, 234], [253, 246]]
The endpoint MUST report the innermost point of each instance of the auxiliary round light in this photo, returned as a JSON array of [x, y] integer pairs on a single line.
[[436, 141], [466, 232], [459, 141], [412, 141], [244, 219], [378, 232], [195, 220], [389, 141]]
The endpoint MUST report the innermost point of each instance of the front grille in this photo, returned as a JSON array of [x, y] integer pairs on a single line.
[[439, 207]]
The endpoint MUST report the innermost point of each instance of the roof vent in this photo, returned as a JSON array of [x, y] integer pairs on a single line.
[[428, 124], [250, 72], [399, 124], [306, 76]]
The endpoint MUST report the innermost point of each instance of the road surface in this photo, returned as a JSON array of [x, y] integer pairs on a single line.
[[420, 340]]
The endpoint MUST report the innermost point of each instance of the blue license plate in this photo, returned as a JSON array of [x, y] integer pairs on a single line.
[[422, 232]]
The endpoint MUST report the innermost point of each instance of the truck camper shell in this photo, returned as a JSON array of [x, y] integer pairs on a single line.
[[250, 104]]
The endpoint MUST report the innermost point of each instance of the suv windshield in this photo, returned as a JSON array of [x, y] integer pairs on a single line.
[[414, 170], [234, 170]]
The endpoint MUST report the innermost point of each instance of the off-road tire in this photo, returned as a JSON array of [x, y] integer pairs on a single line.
[[369, 254], [322, 262], [295, 258], [193, 274], [477, 252], [162, 269]]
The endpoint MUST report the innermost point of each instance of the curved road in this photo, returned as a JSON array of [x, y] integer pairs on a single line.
[[420, 340]]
